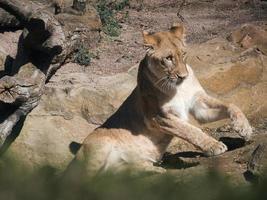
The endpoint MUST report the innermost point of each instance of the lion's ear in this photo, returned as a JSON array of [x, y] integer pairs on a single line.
[[149, 40], [178, 30]]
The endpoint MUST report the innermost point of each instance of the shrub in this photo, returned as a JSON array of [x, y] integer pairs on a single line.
[[82, 56], [107, 12]]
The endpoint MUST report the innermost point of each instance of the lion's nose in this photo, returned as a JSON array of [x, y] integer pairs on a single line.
[[180, 72], [182, 76]]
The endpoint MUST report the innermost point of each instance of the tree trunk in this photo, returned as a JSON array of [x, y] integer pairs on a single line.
[[42, 48], [8, 21]]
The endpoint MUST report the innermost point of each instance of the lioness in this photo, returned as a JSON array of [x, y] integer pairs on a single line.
[[157, 110]]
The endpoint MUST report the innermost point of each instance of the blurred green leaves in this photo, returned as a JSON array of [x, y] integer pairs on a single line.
[[16, 182], [107, 12]]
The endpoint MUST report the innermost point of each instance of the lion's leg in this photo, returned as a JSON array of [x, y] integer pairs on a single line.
[[98, 159], [171, 124], [147, 167], [209, 109]]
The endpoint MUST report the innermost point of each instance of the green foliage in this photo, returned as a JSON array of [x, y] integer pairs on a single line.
[[112, 28], [82, 55], [121, 5], [18, 183], [107, 12]]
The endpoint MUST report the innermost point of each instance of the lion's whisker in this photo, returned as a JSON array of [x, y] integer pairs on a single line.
[[163, 85], [161, 79], [166, 85]]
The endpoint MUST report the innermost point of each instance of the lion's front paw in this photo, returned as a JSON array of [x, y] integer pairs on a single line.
[[215, 148], [243, 128]]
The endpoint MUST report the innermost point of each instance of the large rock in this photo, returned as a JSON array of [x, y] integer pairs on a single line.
[[8, 48], [89, 24], [233, 73], [249, 36], [66, 115]]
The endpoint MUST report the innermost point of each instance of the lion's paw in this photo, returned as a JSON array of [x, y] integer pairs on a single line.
[[216, 148], [243, 128]]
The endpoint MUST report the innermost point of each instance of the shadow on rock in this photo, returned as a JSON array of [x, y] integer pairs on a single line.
[[12, 137], [233, 143], [174, 161], [250, 177], [74, 147]]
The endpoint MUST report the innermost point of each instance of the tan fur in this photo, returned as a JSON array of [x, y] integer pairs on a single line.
[[138, 134]]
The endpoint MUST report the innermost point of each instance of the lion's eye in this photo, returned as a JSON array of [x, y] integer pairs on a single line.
[[167, 61], [169, 58], [148, 47]]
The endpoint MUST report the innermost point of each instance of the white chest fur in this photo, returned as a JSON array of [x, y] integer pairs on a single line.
[[181, 103]]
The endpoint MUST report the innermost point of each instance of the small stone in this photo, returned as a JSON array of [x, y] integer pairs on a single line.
[[225, 128], [67, 115]]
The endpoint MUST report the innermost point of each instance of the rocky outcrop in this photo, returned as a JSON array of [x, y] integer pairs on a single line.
[[234, 73], [83, 28], [249, 36], [47, 41], [68, 111], [75, 102], [8, 48]]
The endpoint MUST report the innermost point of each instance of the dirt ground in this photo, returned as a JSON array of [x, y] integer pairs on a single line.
[[203, 19]]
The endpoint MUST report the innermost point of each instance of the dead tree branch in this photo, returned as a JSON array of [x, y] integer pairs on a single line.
[[42, 47]]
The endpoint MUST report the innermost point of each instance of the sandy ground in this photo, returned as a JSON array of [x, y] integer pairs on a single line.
[[203, 19]]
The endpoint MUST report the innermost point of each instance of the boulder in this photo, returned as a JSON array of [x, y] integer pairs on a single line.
[[249, 36], [233, 74], [89, 24], [8, 48], [69, 110]]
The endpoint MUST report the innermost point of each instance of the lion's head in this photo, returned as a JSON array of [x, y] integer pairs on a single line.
[[165, 57]]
